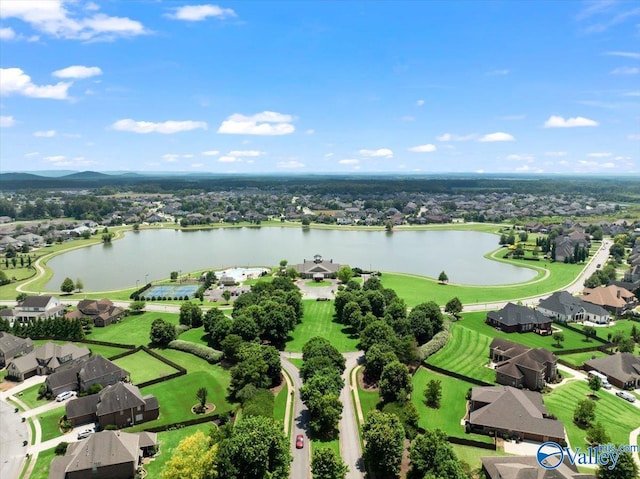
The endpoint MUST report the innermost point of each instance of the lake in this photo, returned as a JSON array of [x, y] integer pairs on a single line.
[[153, 254]]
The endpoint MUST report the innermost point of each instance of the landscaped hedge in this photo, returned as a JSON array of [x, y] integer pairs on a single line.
[[182, 328], [215, 418], [580, 331], [136, 295], [434, 345], [208, 354], [603, 348]]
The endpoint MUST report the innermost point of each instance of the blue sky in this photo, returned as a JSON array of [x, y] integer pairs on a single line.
[[372, 86]]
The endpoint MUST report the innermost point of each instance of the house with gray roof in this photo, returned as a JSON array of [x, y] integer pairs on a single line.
[[105, 454], [102, 313], [563, 307], [522, 367], [514, 318], [81, 374], [512, 413], [11, 346], [318, 269], [622, 369], [44, 360], [121, 404], [37, 307], [527, 467]]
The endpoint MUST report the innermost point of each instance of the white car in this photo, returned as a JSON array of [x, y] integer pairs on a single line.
[[85, 433], [65, 395], [626, 396]]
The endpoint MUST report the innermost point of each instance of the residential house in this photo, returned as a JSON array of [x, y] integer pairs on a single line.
[[563, 307], [120, 404], [612, 298], [104, 455], [522, 367], [38, 307], [565, 246], [81, 374], [12, 346], [102, 312], [512, 413], [622, 369], [528, 467], [44, 360], [514, 318], [318, 269]]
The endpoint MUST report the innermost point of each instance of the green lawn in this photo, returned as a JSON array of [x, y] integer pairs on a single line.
[[196, 335], [168, 441], [623, 325], [318, 284], [617, 415], [578, 359], [41, 469], [453, 405], [49, 423], [334, 445], [318, 321], [143, 367], [131, 330], [280, 405], [297, 362], [368, 401], [467, 352], [29, 396], [471, 455]]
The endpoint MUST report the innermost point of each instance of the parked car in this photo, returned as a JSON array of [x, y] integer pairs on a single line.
[[626, 396], [299, 441], [65, 395], [85, 433]]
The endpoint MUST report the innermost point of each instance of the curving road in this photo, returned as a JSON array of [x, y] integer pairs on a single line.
[[350, 449]]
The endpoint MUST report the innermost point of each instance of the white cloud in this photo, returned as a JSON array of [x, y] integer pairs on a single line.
[[67, 19], [290, 165], [625, 71], [7, 121], [14, 81], [197, 13], [329, 155], [379, 153], [556, 154], [267, 123], [60, 160], [166, 128], [428, 148], [310, 131], [45, 134], [210, 153], [197, 165], [451, 137], [524, 157], [633, 136], [245, 153], [33, 154], [170, 157], [7, 34], [555, 121], [634, 55], [77, 71], [604, 154], [497, 136], [348, 161], [420, 103], [228, 159], [494, 73]]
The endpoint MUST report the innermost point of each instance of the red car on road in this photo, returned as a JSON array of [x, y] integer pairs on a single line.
[[299, 441]]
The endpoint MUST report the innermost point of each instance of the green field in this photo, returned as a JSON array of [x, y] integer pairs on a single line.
[[617, 415], [623, 325], [29, 396], [467, 352], [578, 359], [131, 330], [143, 367], [280, 405], [41, 469], [318, 321], [196, 335], [319, 444], [49, 423], [368, 401], [453, 405], [471, 455]]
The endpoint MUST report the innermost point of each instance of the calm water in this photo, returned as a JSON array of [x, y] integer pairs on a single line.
[[153, 254]]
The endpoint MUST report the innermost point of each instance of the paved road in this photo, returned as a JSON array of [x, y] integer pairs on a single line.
[[12, 433], [350, 449]]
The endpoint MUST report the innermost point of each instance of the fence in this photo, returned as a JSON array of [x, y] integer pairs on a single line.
[[215, 418], [462, 377]]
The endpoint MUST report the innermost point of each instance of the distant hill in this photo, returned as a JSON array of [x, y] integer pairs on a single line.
[[87, 175], [21, 177]]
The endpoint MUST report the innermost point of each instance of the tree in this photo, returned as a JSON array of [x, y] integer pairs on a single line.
[[137, 307], [433, 393], [190, 314], [388, 226], [211, 317], [173, 275], [443, 278], [201, 396], [67, 286], [194, 458], [585, 412], [425, 320], [162, 332], [321, 347], [345, 273], [589, 332], [395, 382], [326, 464], [79, 285], [558, 336], [324, 415], [595, 383], [306, 222], [3, 277], [432, 456], [384, 442], [626, 468], [226, 294], [454, 307], [231, 346], [256, 448], [597, 435], [627, 346], [20, 297], [375, 359]]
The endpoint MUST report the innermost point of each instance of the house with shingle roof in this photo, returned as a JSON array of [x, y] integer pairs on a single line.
[[511, 412], [44, 360], [522, 367], [83, 373], [528, 467], [515, 318], [612, 298], [318, 269], [102, 312], [11, 346], [38, 307], [121, 404], [622, 369], [563, 307], [105, 454]]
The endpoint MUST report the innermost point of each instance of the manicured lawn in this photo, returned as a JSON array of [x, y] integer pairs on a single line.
[[196, 335], [41, 469], [334, 445], [29, 396], [617, 415], [49, 423], [318, 283], [471, 455], [132, 329], [297, 362], [318, 321], [623, 325], [280, 405], [3, 374], [143, 367], [578, 359], [467, 352], [168, 441], [368, 401], [453, 405]]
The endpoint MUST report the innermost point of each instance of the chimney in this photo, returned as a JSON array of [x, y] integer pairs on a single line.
[[618, 293]]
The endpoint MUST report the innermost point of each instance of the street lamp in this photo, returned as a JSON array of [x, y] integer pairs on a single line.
[[137, 281], [145, 278]]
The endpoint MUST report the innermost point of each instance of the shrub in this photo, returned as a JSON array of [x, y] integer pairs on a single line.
[[110, 427], [182, 328], [208, 354], [434, 345], [61, 449]]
